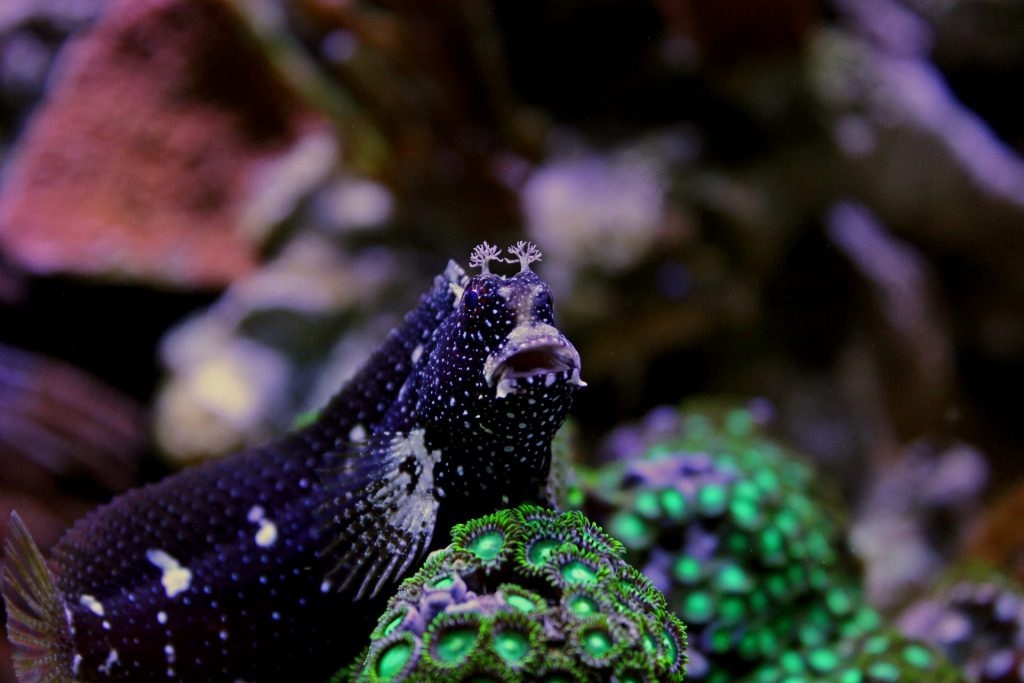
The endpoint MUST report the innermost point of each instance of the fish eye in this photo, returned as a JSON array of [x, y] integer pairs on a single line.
[[470, 298]]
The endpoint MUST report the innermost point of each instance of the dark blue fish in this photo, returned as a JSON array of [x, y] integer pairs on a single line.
[[271, 564]]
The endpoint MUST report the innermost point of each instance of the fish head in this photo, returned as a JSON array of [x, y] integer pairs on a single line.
[[503, 371], [529, 357]]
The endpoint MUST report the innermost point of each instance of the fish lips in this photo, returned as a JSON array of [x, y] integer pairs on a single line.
[[532, 354]]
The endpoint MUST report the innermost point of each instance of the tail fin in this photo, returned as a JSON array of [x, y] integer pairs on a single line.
[[36, 624]]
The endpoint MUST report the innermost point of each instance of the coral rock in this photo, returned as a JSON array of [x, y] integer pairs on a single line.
[[142, 160]]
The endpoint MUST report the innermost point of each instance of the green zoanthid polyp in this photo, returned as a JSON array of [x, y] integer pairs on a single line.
[[526, 594]]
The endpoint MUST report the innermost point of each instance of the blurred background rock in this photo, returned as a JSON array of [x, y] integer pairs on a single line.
[[212, 210]]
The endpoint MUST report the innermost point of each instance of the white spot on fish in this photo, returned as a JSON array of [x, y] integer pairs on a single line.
[[325, 586], [267, 534], [111, 661], [92, 603], [161, 617], [357, 433], [169, 651], [106, 625], [417, 353], [176, 578], [76, 663], [223, 635]]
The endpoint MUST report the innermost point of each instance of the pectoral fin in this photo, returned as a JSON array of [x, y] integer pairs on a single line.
[[380, 512]]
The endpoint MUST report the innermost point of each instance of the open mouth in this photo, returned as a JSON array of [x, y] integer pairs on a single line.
[[539, 361], [534, 355]]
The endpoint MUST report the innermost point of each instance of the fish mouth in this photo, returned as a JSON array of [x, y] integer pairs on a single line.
[[533, 354]]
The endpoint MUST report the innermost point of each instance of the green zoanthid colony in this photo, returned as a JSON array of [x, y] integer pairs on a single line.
[[748, 548], [526, 595]]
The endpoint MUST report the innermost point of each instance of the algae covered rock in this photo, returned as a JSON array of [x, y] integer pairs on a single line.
[[976, 617], [526, 595]]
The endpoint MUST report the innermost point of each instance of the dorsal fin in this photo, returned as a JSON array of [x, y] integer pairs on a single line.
[[36, 622], [366, 397]]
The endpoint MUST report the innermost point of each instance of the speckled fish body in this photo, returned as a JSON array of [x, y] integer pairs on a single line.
[[263, 566]]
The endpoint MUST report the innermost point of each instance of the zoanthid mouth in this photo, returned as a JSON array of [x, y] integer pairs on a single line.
[[531, 354]]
